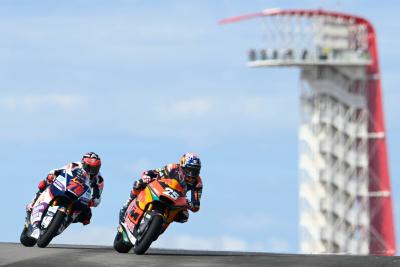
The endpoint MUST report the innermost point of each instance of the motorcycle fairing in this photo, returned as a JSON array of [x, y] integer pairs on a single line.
[[66, 182], [156, 191], [128, 233]]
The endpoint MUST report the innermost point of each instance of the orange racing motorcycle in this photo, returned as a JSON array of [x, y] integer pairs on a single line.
[[149, 214]]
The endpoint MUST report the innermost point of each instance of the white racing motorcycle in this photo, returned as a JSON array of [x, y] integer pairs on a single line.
[[56, 208]]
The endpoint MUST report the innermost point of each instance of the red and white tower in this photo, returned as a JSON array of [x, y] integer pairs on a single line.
[[345, 194]]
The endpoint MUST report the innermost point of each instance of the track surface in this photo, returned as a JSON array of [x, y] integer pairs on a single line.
[[63, 255]]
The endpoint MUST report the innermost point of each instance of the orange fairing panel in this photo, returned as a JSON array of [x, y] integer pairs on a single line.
[[136, 213], [144, 197], [157, 187]]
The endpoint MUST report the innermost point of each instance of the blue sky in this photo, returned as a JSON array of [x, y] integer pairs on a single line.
[[141, 83]]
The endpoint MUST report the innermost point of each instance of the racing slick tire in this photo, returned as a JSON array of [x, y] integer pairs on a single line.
[[51, 231], [119, 244], [150, 235], [25, 240]]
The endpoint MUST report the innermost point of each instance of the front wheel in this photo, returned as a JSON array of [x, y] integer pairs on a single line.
[[120, 245], [27, 241], [51, 230], [150, 235]]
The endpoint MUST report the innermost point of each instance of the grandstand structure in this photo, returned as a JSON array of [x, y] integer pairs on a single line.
[[345, 193]]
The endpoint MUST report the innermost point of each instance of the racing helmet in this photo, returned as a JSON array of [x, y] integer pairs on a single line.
[[191, 165], [91, 163]]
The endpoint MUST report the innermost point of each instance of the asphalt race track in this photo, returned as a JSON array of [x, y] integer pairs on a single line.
[[12, 254]]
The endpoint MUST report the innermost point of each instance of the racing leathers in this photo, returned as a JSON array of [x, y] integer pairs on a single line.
[[96, 184], [172, 171]]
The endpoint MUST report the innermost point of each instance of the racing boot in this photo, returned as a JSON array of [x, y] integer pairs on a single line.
[[84, 217]]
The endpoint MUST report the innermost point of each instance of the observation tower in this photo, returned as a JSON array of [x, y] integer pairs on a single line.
[[345, 194]]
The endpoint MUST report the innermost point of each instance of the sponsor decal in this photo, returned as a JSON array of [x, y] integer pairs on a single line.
[[59, 185], [129, 224]]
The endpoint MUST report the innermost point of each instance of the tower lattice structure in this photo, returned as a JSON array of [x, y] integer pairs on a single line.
[[345, 194]]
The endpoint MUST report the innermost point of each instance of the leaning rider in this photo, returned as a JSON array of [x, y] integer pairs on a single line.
[[90, 167], [187, 172]]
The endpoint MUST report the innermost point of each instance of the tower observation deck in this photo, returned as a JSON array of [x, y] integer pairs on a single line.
[[344, 192]]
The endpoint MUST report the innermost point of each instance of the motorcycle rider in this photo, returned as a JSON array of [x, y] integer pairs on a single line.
[[187, 172], [90, 167]]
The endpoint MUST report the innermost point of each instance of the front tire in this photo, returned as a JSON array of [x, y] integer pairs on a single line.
[[25, 240], [51, 230], [119, 244], [150, 235]]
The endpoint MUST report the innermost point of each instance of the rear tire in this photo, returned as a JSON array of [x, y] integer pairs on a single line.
[[119, 244], [150, 235], [51, 230], [27, 241]]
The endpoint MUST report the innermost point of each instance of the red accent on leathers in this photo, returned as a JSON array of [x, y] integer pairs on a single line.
[[42, 185]]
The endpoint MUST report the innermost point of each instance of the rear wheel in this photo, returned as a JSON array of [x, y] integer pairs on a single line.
[[51, 230], [150, 235], [27, 241], [120, 245]]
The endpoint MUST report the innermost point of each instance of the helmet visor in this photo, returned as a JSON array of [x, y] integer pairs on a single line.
[[192, 171], [92, 170]]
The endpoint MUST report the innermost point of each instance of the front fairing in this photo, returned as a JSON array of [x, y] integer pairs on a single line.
[[66, 186], [168, 192]]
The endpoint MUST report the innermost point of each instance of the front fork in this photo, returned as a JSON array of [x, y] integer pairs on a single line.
[[137, 234], [53, 208], [28, 219], [145, 223]]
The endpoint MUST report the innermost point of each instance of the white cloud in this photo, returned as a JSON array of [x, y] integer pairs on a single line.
[[200, 120], [217, 115], [192, 108], [99, 37], [35, 102], [30, 116]]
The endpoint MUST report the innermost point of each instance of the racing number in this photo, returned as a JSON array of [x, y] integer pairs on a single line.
[[76, 186], [171, 193]]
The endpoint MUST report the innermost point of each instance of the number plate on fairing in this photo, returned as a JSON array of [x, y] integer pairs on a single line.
[[171, 193]]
